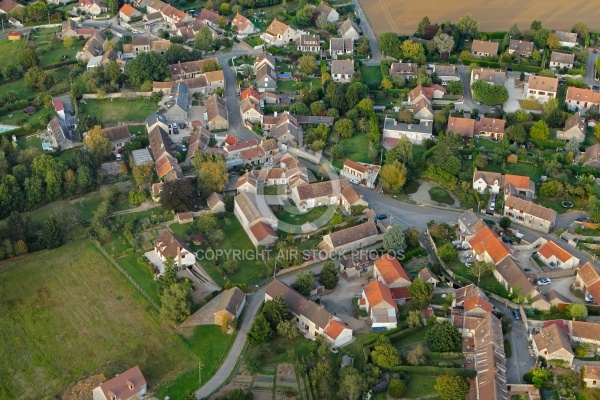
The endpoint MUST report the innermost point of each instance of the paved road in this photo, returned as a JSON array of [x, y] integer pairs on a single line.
[[468, 103], [231, 93], [590, 66], [521, 360], [235, 352], [368, 32]]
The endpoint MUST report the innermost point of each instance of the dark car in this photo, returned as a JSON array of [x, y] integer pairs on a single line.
[[182, 125], [594, 51], [596, 87], [506, 239], [176, 131], [177, 147], [516, 314], [381, 216], [72, 112], [527, 269]]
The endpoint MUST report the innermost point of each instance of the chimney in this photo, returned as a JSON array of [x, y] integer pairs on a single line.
[[395, 122], [409, 127], [426, 123], [130, 384], [275, 114]]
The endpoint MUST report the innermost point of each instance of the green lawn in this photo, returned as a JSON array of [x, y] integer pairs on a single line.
[[53, 53], [29, 141], [299, 218], [371, 75], [118, 245], [420, 386], [488, 282], [440, 195], [20, 118], [254, 41], [60, 86], [137, 130], [10, 50], [120, 110], [141, 273], [67, 314], [356, 149]]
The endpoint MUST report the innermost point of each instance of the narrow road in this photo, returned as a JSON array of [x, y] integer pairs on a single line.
[[590, 66], [368, 32], [235, 353], [468, 103], [236, 124]]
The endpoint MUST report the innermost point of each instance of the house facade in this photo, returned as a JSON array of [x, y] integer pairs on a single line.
[[128, 385], [389, 271], [216, 113], [481, 49], [340, 47], [349, 30], [279, 34], [243, 25], [561, 60], [541, 88], [331, 14], [377, 301], [393, 131], [529, 214], [555, 256], [351, 238], [230, 305], [309, 43], [366, 174], [118, 136], [170, 246], [483, 180], [581, 99], [575, 129], [553, 344], [342, 70]]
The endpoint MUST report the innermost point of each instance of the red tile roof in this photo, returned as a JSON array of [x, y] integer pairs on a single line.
[[127, 10], [390, 269], [250, 92], [120, 384], [262, 230], [58, 105], [478, 302], [552, 249], [334, 329], [485, 240], [376, 293], [400, 293]]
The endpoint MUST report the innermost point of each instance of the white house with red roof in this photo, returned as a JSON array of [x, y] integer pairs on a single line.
[[59, 107], [389, 271], [377, 300], [337, 333], [128, 385], [243, 25], [365, 174], [553, 255]]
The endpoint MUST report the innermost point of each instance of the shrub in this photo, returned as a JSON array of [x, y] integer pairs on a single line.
[[396, 388]]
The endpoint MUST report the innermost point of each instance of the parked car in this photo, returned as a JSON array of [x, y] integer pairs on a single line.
[[381, 216], [72, 112], [527, 269], [594, 51], [507, 239], [182, 125], [589, 298], [544, 282], [119, 157], [177, 147], [493, 206], [355, 181], [176, 131], [516, 314]]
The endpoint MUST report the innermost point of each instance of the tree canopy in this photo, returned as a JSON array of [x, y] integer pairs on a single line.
[[490, 94], [443, 337]]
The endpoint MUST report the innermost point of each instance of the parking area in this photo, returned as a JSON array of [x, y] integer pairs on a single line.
[[514, 94]]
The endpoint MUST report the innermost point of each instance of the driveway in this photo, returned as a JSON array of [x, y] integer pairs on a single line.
[[562, 286], [514, 94], [521, 360], [422, 195], [468, 104], [590, 66]]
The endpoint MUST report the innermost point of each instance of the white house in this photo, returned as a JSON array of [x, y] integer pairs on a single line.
[[591, 376], [366, 174], [279, 34], [487, 180], [243, 25], [561, 60], [553, 344], [393, 131], [575, 129], [331, 13], [349, 30], [59, 108], [541, 88], [555, 256], [389, 271], [377, 300], [342, 70], [128, 385], [567, 39], [168, 245], [584, 332]]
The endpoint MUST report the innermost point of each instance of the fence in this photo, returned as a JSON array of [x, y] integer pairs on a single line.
[[562, 273], [126, 95], [126, 274], [437, 256]]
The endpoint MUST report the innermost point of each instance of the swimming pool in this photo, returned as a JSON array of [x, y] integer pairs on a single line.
[[6, 128], [285, 76]]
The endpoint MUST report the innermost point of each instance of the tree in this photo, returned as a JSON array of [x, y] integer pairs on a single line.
[[577, 311], [168, 277], [147, 67], [307, 64], [329, 275], [581, 29], [389, 44], [37, 79], [505, 223], [305, 283], [443, 337], [481, 268], [589, 393], [516, 133], [396, 388], [451, 387], [514, 31], [539, 131], [421, 293], [288, 330], [304, 15], [386, 84], [490, 94], [143, 174], [322, 21], [212, 172], [352, 384], [175, 304], [28, 58], [113, 5], [481, 161], [203, 40], [393, 176], [20, 248], [384, 354], [52, 235], [405, 115], [225, 10], [414, 318], [299, 108], [454, 87], [275, 311], [444, 44], [344, 127], [417, 356], [402, 151], [355, 92], [411, 50], [68, 42], [393, 239], [424, 23], [467, 27], [447, 252], [97, 143], [552, 41], [540, 376], [178, 195], [541, 38], [260, 331]]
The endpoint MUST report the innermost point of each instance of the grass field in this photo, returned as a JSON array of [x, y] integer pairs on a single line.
[[59, 74], [420, 386], [140, 273], [403, 16], [67, 313], [10, 50], [371, 75], [53, 53], [120, 110], [299, 218], [356, 148]]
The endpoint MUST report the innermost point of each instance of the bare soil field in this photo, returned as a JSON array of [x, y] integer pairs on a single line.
[[402, 16]]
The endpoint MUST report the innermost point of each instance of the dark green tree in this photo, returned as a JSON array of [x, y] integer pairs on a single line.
[[384, 354], [52, 235], [147, 67], [175, 303], [329, 275], [261, 331], [421, 293], [275, 311], [443, 337], [305, 283]]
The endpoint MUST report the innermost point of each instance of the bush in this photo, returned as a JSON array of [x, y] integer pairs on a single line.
[[429, 370], [396, 388]]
